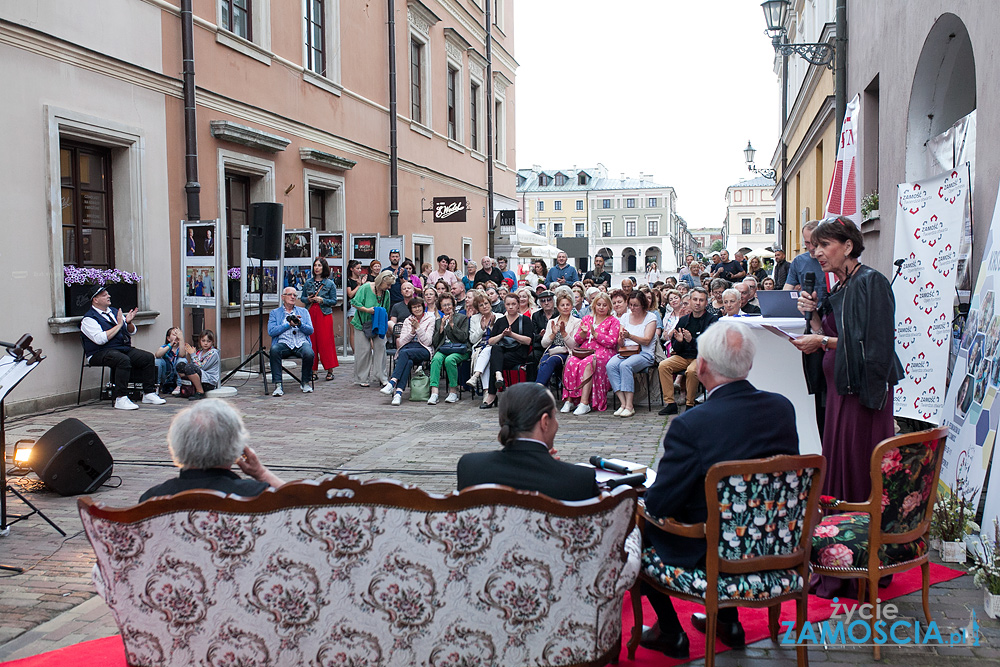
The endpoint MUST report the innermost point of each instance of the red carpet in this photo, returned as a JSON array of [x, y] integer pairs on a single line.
[[108, 652]]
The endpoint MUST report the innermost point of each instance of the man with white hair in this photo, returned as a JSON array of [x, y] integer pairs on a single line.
[[751, 284], [205, 441], [488, 272], [745, 306], [695, 441], [289, 327]]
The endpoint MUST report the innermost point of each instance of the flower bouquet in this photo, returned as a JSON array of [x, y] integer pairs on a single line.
[[953, 519], [869, 206]]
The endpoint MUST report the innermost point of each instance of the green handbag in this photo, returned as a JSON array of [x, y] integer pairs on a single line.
[[420, 385]]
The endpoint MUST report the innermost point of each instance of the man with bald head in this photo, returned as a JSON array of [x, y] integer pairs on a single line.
[[488, 272]]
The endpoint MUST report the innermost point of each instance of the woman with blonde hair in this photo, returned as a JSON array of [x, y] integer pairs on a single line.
[[469, 279], [481, 323], [369, 348], [526, 301], [585, 379], [558, 337]]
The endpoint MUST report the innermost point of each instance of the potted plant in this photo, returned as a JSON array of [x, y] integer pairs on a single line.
[[123, 287], [987, 571], [234, 275], [953, 519], [869, 206]]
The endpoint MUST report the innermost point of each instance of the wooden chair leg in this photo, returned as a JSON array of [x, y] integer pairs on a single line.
[[773, 612], [711, 621], [801, 651], [633, 642], [925, 572], [862, 588], [872, 596]]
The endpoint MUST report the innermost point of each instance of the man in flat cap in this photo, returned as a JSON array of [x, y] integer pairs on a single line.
[[107, 341]]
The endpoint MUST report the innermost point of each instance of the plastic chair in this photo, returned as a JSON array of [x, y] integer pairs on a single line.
[[761, 515], [904, 472]]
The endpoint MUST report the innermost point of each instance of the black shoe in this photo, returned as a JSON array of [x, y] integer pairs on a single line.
[[486, 406], [668, 409], [731, 634], [674, 646], [196, 397]]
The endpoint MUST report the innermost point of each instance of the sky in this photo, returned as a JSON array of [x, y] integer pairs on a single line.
[[668, 88]]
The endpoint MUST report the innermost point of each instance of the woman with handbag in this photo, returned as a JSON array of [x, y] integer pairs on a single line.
[[511, 341], [369, 347], [558, 338], [635, 353], [480, 325], [414, 344], [319, 295], [451, 347], [585, 379]]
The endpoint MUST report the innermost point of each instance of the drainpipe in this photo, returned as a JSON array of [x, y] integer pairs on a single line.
[[192, 187], [490, 241], [840, 71], [393, 147]]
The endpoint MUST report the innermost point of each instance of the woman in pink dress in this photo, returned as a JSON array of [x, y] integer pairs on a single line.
[[585, 380]]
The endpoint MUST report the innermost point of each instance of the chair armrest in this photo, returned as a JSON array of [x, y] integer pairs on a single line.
[[829, 502], [633, 549], [695, 530]]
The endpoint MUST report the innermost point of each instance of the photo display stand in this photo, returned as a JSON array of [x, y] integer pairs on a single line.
[[201, 276]]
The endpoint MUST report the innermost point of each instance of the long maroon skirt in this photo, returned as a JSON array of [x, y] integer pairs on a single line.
[[323, 342]]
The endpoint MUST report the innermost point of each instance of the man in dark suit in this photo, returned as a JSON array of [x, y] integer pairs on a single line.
[[527, 461], [737, 422]]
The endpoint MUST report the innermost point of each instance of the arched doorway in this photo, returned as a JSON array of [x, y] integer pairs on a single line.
[[653, 255], [609, 259], [628, 260], [944, 89]]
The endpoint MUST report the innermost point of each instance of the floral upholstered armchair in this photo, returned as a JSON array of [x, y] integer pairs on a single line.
[[344, 572], [904, 472], [761, 514]]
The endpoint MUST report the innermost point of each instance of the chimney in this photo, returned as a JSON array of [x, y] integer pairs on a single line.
[[536, 167], [623, 176]]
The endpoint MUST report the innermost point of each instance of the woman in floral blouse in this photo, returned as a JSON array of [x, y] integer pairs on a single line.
[[585, 380]]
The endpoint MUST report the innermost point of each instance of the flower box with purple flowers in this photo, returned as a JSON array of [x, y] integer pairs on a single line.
[[123, 287]]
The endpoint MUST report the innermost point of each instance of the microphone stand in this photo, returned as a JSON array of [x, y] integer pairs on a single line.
[[899, 270]]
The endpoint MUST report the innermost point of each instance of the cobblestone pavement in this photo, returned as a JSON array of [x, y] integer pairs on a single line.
[[339, 428]]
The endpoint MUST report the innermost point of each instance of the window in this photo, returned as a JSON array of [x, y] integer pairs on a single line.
[[236, 17], [237, 213], [87, 225], [582, 179], [541, 227], [749, 195], [452, 104], [581, 229], [315, 37], [557, 205], [557, 229], [416, 63], [737, 195], [560, 180], [605, 228], [768, 225], [605, 203], [498, 131], [579, 204], [651, 203], [746, 225], [541, 205], [474, 116], [653, 227], [630, 202], [544, 180], [630, 228], [317, 206]]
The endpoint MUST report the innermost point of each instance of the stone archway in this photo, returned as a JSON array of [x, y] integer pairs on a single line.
[[653, 255], [628, 260], [943, 90]]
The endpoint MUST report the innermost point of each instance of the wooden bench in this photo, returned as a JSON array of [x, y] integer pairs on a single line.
[[348, 572]]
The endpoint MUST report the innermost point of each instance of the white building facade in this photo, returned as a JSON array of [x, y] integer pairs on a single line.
[[751, 215]]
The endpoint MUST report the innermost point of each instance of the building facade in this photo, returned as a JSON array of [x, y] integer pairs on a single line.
[[750, 215], [554, 203], [292, 106]]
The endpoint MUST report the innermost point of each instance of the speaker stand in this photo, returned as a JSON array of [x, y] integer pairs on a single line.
[[5, 521]]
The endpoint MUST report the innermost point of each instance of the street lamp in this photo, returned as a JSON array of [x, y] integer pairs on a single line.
[[748, 153], [775, 15]]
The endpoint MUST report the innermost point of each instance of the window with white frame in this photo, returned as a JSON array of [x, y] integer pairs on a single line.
[[746, 225], [420, 23], [237, 17], [630, 227], [454, 46], [315, 20], [416, 80], [248, 20], [652, 202], [579, 204], [630, 202], [557, 229], [499, 125], [560, 179], [605, 228], [474, 103], [768, 225], [541, 227], [540, 205], [452, 85], [581, 229], [557, 205], [477, 108], [605, 203], [652, 226]]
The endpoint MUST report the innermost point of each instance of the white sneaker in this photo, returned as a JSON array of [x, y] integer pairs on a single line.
[[397, 399], [152, 399], [627, 413], [123, 403], [567, 407], [306, 389], [176, 391], [278, 391], [581, 409], [452, 398], [433, 400], [619, 411], [388, 389]]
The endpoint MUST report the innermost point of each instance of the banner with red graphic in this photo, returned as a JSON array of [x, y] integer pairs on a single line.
[[843, 198], [930, 218]]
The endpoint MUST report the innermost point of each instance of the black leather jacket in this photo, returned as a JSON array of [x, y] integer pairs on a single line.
[[865, 363]]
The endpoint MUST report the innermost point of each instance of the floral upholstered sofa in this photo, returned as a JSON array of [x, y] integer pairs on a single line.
[[343, 572]]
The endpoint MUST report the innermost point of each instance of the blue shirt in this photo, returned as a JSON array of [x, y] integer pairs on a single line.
[[803, 264], [281, 331], [555, 273], [508, 274]]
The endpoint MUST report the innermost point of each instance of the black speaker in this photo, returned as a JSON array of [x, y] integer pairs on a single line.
[[264, 235], [71, 459]]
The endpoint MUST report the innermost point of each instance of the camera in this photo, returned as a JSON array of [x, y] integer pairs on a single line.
[[293, 320]]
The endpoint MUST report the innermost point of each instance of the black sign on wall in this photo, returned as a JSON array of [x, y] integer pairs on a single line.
[[450, 209]]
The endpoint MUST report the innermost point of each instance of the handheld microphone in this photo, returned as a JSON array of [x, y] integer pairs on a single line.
[[809, 286], [638, 479], [899, 262], [605, 464]]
